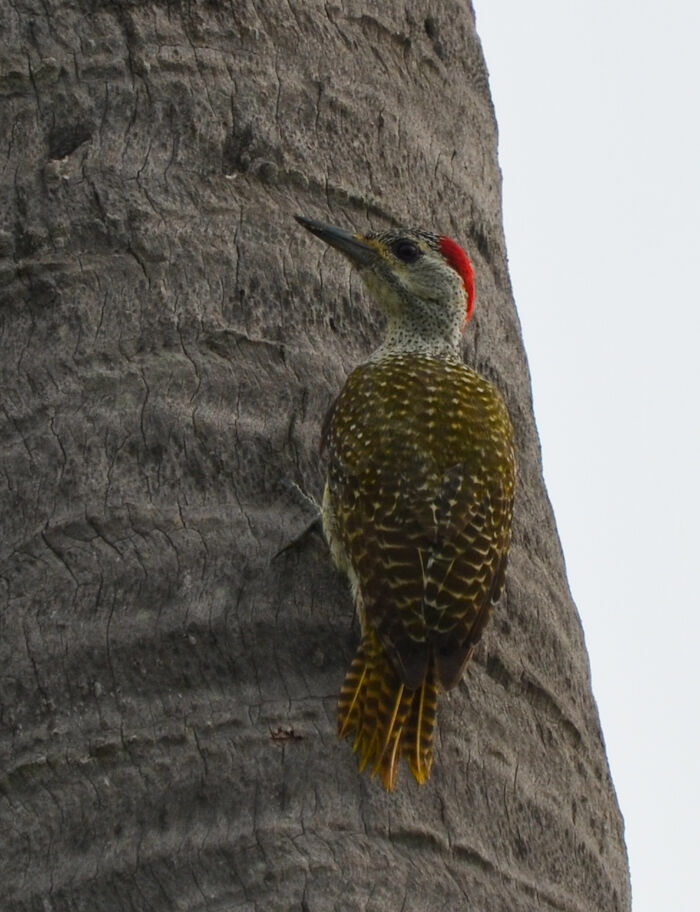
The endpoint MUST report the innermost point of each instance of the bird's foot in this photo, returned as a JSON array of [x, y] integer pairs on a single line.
[[313, 525], [301, 495]]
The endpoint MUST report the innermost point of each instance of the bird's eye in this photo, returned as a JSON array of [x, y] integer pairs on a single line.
[[406, 251]]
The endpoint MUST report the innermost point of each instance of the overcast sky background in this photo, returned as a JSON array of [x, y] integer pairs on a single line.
[[598, 106]]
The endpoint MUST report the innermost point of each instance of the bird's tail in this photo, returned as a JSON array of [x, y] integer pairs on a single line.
[[387, 719]]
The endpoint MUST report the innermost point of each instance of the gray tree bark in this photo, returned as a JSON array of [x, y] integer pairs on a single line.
[[170, 342]]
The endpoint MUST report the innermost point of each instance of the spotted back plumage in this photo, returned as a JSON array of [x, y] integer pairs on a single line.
[[420, 486]]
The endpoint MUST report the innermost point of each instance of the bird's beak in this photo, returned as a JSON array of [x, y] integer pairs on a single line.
[[359, 252]]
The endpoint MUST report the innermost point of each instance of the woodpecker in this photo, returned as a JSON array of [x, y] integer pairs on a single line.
[[418, 499]]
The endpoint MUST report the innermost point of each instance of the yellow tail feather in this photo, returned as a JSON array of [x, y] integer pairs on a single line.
[[387, 719], [418, 739]]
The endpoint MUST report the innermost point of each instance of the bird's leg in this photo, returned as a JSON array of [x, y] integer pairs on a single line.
[[301, 495], [313, 525]]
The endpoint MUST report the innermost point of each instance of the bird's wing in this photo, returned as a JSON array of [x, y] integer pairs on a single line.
[[430, 559], [465, 571]]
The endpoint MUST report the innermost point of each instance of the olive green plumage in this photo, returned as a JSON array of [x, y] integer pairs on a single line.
[[418, 501], [419, 495]]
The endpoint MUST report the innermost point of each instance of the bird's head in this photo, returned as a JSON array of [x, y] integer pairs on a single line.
[[423, 282]]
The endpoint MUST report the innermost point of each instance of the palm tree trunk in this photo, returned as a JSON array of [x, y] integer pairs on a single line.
[[170, 342]]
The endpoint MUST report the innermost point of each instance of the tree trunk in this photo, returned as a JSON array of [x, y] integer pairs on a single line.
[[171, 339]]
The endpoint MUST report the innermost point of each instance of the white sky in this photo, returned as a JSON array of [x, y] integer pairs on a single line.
[[598, 105]]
